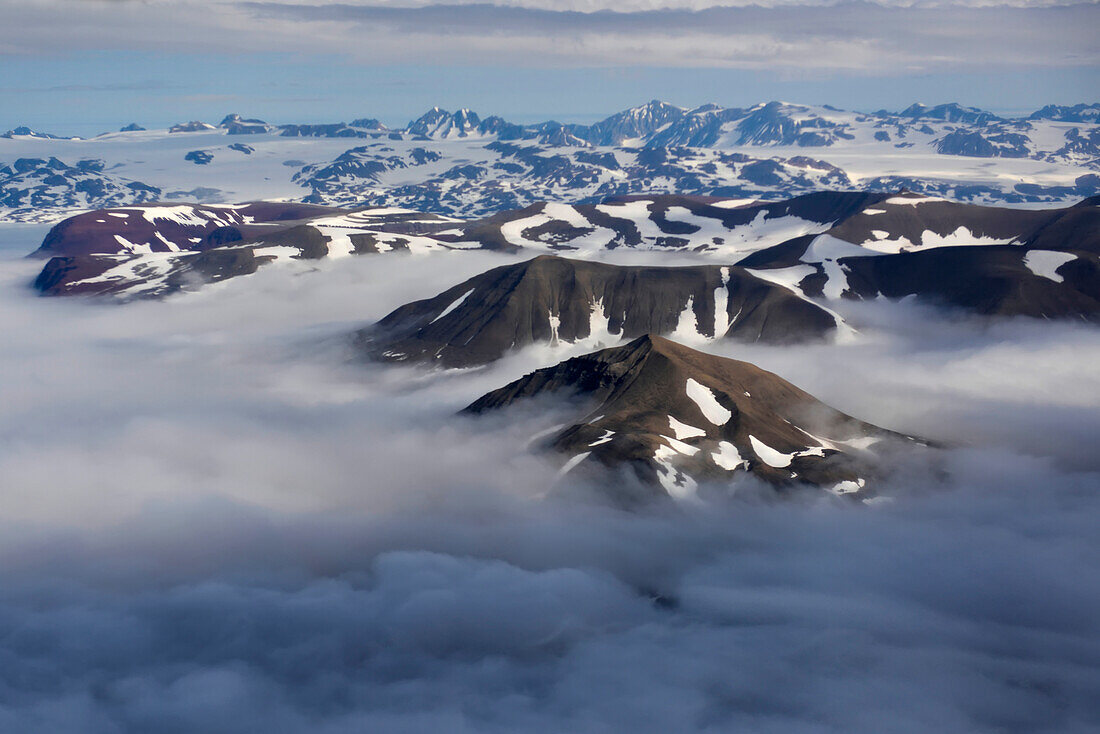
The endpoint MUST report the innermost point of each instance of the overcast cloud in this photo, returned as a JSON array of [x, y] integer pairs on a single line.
[[808, 38]]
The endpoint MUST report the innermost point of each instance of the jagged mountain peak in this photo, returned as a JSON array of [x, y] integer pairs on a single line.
[[440, 123], [634, 123]]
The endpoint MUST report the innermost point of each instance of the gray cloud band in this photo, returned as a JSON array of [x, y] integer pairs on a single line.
[[854, 37]]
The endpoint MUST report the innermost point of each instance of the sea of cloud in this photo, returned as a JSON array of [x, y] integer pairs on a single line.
[[214, 518]]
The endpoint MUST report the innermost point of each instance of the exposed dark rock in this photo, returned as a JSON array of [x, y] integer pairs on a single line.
[[676, 417], [551, 299], [194, 126]]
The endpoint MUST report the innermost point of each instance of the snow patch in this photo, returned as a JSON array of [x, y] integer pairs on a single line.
[[683, 430], [602, 439], [599, 325], [1043, 263], [721, 306], [770, 456], [704, 397], [848, 486], [912, 200], [555, 322], [572, 463], [454, 304], [728, 457], [678, 485], [687, 328]]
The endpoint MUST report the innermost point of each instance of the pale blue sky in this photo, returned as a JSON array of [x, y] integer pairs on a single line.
[[157, 63]]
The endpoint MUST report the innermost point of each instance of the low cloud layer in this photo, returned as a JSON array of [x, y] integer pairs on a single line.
[[212, 520]]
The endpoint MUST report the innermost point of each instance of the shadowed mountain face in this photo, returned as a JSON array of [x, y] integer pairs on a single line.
[[1040, 263], [907, 223], [676, 417], [552, 299], [777, 234], [995, 281]]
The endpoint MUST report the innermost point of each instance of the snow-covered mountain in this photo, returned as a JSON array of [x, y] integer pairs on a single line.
[[462, 164], [772, 259], [151, 251]]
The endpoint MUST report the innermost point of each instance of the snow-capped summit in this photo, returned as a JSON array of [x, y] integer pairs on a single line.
[[438, 123], [634, 124]]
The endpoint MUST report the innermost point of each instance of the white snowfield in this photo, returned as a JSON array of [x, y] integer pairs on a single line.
[[450, 165]]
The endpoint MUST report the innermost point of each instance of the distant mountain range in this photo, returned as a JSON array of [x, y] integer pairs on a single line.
[[658, 123], [769, 260], [461, 164]]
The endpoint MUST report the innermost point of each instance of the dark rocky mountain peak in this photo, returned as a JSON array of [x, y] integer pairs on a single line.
[[552, 300], [634, 123], [234, 118], [676, 417], [775, 123]]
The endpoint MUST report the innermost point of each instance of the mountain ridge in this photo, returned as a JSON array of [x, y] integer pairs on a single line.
[[677, 418], [551, 299]]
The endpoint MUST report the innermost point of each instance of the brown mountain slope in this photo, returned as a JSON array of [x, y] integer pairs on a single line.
[[677, 417]]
